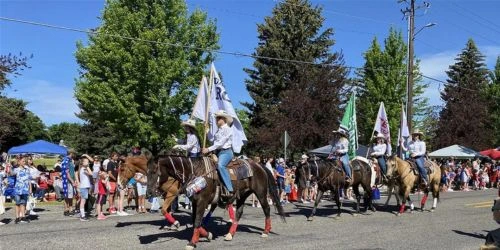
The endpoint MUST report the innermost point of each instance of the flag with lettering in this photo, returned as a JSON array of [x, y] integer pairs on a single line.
[[219, 100], [349, 124], [382, 126]]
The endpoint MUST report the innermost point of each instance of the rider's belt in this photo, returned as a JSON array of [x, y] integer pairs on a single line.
[[380, 156], [417, 157]]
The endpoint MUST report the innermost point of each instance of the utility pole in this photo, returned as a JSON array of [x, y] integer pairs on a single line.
[[409, 13]]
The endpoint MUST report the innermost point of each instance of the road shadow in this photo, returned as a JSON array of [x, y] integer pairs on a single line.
[[182, 218], [216, 230], [474, 235], [322, 210], [6, 221]]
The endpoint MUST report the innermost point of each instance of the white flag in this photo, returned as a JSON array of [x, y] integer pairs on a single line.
[[382, 126], [403, 132], [219, 100], [200, 107]]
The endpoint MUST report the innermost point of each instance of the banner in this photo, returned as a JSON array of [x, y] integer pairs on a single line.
[[200, 106], [349, 124], [403, 132], [382, 126], [219, 100]]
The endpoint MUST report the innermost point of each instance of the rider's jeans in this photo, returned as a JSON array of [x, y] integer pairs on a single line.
[[345, 164], [225, 156], [420, 161]]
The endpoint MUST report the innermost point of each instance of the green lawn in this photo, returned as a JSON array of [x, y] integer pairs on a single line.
[[48, 162]]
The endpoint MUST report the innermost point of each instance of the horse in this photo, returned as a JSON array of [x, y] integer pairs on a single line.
[[404, 176], [328, 176], [169, 186], [362, 175], [184, 170]]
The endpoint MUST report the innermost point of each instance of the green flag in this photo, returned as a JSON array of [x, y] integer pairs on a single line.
[[349, 124]]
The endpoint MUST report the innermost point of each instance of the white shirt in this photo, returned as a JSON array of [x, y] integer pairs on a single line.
[[105, 164], [379, 149], [192, 144], [269, 166], [341, 145], [417, 148], [95, 171], [84, 178], [223, 138]]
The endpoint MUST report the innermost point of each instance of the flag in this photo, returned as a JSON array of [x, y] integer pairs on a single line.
[[349, 124], [403, 132], [200, 106], [219, 100], [382, 126]]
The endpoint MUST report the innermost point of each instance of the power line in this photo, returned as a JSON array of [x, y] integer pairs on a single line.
[[476, 15], [209, 50], [480, 23]]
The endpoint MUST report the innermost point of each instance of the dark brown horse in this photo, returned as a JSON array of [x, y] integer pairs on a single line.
[[362, 176], [407, 179], [328, 176], [184, 169]]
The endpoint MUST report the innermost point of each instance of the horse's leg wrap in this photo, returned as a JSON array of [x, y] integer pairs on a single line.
[[424, 199], [196, 236], [230, 211], [232, 229], [169, 218], [267, 227], [434, 204], [203, 232], [402, 208]]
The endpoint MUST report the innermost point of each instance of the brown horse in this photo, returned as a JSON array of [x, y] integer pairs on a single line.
[[362, 175], [328, 176], [169, 186], [184, 170], [406, 179]]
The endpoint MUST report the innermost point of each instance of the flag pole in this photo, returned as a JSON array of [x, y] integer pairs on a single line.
[[205, 125]]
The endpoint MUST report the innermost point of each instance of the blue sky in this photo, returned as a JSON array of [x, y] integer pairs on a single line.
[[48, 85]]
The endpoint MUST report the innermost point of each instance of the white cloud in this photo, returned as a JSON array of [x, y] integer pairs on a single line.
[[52, 102], [436, 65]]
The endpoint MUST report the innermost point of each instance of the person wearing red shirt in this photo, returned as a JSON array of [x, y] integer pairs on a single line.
[[42, 188]]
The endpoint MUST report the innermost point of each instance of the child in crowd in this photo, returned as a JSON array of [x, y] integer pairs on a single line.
[[141, 191], [102, 188]]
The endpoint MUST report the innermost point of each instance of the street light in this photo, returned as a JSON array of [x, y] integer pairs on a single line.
[[426, 26]]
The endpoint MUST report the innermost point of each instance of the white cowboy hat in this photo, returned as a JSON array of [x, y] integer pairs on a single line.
[[189, 123], [417, 132], [225, 115], [305, 157], [341, 132], [379, 135]]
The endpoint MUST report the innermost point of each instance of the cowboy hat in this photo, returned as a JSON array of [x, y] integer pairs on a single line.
[[341, 132], [304, 157], [225, 115], [379, 135], [189, 123], [417, 132]]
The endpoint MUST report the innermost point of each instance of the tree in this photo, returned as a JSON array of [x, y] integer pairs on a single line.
[[429, 127], [383, 79], [493, 99], [11, 64], [280, 89], [465, 114], [68, 132], [139, 86]]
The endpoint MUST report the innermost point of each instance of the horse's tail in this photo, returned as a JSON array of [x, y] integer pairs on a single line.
[[273, 189]]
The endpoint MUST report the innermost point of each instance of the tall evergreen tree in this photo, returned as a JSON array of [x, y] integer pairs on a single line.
[[294, 32], [493, 96], [140, 87], [383, 79], [465, 113]]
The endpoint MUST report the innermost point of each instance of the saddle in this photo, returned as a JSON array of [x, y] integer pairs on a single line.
[[239, 169], [427, 165], [378, 172]]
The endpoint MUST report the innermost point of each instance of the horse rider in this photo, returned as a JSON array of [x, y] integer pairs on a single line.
[[224, 144], [192, 146], [340, 147], [378, 152], [416, 147]]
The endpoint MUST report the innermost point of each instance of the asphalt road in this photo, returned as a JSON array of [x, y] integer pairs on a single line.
[[460, 222]]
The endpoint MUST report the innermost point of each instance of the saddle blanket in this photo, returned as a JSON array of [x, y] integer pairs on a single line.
[[239, 169]]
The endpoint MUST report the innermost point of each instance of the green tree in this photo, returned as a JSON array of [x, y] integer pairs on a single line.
[[493, 96], [68, 132], [383, 79], [294, 32], [139, 87], [464, 117]]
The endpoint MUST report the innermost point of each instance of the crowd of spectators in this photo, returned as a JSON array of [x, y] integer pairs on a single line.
[[466, 175]]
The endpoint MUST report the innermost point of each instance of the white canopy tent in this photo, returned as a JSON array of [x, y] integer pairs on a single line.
[[455, 151]]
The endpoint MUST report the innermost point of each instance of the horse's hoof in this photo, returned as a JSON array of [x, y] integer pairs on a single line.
[[229, 237], [336, 218], [399, 214], [230, 221], [433, 209], [355, 214], [264, 235], [190, 247], [310, 218], [374, 209]]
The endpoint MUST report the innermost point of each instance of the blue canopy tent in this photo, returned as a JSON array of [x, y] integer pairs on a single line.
[[38, 147]]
